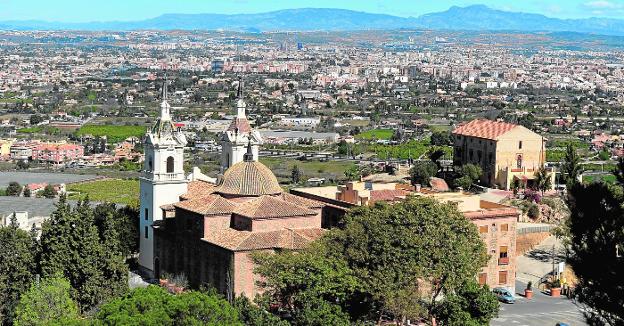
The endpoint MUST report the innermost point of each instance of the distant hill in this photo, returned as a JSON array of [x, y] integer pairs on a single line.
[[476, 17]]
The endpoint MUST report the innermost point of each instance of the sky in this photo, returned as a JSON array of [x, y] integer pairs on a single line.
[[127, 10]]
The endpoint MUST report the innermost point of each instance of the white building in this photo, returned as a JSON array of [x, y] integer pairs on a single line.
[[163, 179]]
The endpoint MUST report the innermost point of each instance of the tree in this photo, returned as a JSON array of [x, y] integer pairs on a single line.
[[441, 138], [352, 173], [295, 175], [27, 192], [256, 314], [155, 306], [542, 180], [618, 171], [468, 175], [120, 226], [47, 302], [408, 245], [435, 154], [49, 191], [299, 281], [35, 119], [422, 171], [70, 245], [17, 267], [571, 166], [13, 189], [596, 235], [471, 304]]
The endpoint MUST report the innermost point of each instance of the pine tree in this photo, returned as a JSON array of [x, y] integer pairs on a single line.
[[70, 246], [17, 268]]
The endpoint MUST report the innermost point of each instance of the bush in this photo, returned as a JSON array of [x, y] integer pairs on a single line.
[[14, 189], [533, 211]]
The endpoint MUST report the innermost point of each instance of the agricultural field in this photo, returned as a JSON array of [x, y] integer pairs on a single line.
[[412, 148], [117, 191], [607, 178], [381, 134], [282, 168], [114, 133]]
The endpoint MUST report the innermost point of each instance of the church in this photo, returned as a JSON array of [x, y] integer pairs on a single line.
[[206, 230]]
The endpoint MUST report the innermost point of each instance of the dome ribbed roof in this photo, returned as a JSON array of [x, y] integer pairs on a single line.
[[249, 179]]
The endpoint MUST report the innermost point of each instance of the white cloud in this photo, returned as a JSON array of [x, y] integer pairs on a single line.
[[603, 4]]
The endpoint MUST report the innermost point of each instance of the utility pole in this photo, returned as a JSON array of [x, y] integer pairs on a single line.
[[553, 261]]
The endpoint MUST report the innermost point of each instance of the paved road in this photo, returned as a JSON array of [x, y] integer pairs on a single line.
[[541, 310]]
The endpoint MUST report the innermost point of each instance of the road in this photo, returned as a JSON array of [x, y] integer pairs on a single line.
[[541, 310]]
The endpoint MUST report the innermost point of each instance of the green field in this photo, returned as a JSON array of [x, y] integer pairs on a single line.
[[439, 128], [383, 134], [282, 168], [413, 149], [31, 130], [109, 190], [114, 133], [607, 178]]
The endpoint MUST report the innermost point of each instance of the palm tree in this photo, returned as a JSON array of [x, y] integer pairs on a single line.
[[542, 180]]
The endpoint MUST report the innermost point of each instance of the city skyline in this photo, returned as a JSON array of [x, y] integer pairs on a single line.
[[116, 10]]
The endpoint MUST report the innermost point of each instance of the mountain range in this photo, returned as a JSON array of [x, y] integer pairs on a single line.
[[474, 18]]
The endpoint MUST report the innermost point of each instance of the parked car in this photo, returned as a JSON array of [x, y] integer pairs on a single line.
[[504, 295]]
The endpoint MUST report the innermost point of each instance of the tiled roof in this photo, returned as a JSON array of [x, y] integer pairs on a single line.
[[198, 188], [271, 207], [386, 195], [244, 240], [208, 205], [249, 179], [241, 124], [483, 128], [492, 213], [301, 201]]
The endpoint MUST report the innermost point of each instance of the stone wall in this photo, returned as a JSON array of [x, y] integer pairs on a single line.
[[526, 242]]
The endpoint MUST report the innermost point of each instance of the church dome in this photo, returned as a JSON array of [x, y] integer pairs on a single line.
[[249, 178]]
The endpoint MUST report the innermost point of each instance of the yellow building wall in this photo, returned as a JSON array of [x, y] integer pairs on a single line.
[[508, 148], [495, 156]]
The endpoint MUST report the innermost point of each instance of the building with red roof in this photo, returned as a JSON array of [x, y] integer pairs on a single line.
[[504, 151]]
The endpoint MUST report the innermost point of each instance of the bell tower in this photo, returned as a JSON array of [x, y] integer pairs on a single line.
[[238, 136], [162, 181]]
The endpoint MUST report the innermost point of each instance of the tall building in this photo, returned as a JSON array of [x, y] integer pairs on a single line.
[[238, 136], [163, 179]]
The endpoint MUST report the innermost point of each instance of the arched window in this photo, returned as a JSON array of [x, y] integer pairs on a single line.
[[519, 162], [170, 164]]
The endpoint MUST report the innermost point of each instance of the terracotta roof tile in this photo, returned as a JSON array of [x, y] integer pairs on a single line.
[[244, 240], [492, 213], [249, 179], [198, 188], [301, 201], [208, 205], [271, 207], [482, 128], [386, 195]]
